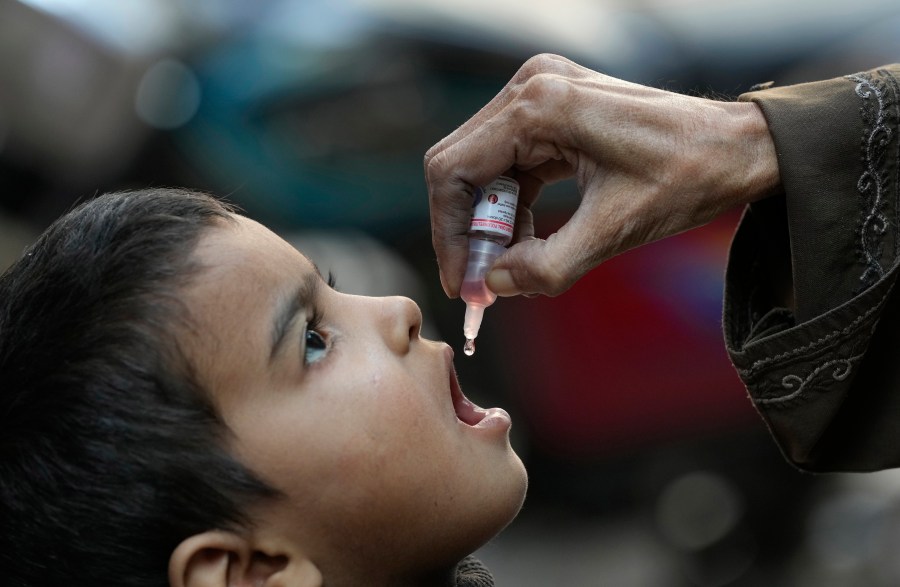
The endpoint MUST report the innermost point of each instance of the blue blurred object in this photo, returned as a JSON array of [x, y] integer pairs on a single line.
[[316, 113], [329, 137]]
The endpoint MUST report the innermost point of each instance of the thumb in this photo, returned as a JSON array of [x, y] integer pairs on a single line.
[[535, 266]]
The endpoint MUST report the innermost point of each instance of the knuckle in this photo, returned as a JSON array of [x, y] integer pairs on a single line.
[[429, 155], [533, 66], [566, 263], [555, 281], [548, 88], [436, 165], [537, 106], [545, 277], [536, 65], [540, 99]]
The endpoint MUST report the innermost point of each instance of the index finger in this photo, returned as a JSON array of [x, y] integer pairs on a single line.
[[450, 217], [477, 152]]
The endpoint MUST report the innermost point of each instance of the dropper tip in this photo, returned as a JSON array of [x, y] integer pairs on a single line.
[[472, 321], [469, 347]]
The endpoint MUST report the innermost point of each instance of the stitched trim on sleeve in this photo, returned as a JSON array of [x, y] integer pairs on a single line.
[[879, 110], [796, 385], [813, 345]]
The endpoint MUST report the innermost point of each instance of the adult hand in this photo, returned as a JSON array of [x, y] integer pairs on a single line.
[[648, 163]]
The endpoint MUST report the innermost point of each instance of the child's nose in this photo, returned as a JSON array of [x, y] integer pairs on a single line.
[[402, 322]]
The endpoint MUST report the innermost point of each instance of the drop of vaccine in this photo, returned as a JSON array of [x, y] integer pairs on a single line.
[[469, 347]]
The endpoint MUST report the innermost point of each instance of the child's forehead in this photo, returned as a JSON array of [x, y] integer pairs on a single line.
[[248, 245], [246, 272]]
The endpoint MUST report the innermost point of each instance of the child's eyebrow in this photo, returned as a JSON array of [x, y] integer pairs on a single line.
[[287, 310]]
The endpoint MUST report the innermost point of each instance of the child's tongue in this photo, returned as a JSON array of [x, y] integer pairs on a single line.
[[466, 411]]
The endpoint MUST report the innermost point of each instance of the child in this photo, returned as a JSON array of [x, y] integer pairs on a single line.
[[185, 401]]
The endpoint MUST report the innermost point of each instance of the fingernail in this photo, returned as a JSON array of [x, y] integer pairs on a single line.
[[500, 281]]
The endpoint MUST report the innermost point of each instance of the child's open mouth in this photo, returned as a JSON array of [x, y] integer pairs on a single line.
[[466, 411], [470, 414]]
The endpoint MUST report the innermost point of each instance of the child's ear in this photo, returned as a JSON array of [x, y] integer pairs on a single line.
[[226, 559]]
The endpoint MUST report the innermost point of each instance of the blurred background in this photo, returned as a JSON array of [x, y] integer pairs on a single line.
[[648, 464]]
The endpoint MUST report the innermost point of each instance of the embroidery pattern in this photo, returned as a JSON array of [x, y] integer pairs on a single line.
[[894, 87], [879, 191], [760, 363], [796, 384], [872, 184]]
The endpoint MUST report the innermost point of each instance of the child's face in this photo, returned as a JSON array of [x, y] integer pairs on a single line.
[[353, 420]]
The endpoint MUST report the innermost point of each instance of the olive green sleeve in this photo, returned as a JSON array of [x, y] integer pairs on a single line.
[[823, 369]]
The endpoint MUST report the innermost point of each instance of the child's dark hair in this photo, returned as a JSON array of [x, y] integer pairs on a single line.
[[110, 452]]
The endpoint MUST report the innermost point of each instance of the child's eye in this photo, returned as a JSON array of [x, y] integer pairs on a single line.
[[315, 346]]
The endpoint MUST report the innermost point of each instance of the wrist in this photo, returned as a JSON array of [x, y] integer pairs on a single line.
[[728, 158], [755, 160]]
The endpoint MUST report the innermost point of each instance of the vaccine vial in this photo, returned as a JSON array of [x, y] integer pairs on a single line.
[[490, 230]]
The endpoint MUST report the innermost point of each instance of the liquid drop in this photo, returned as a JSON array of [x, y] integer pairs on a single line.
[[469, 347]]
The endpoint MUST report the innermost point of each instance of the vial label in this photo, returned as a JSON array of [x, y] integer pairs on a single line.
[[494, 207]]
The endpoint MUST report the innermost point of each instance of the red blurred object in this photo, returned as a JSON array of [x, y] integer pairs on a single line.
[[632, 355]]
